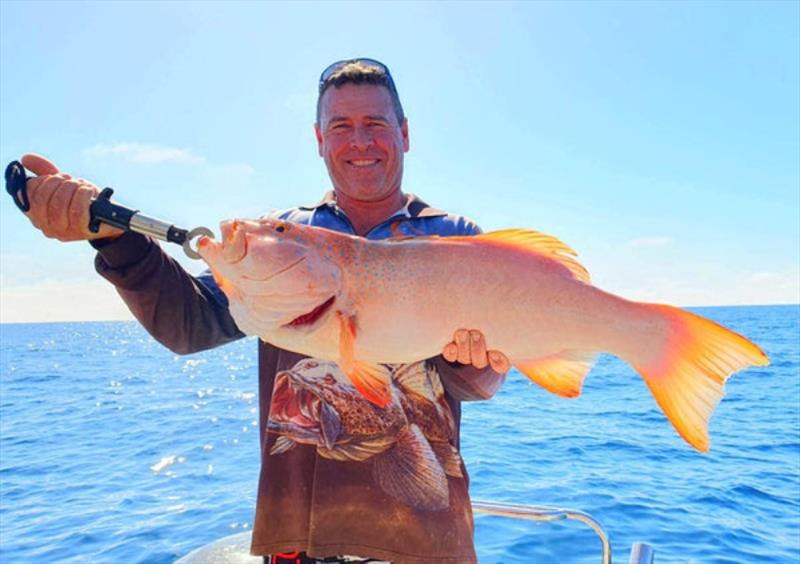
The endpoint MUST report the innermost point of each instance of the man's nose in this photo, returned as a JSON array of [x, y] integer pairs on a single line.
[[362, 138]]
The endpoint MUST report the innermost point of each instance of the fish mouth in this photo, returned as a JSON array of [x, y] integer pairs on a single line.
[[295, 409], [309, 319], [274, 274]]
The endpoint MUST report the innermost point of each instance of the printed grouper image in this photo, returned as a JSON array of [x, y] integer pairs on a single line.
[[407, 442]]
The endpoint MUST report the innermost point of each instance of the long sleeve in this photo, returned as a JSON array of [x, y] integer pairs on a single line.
[[184, 313], [466, 383]]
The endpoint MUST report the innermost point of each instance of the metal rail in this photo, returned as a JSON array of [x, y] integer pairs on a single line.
[[542, 514], [235, 549]]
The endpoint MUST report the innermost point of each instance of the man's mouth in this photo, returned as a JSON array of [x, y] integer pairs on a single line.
[[363, 163]]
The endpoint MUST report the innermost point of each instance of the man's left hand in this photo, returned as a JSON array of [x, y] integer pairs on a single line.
[[469, 347]]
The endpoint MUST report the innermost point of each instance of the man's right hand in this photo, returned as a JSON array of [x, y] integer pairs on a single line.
[[60, 203]]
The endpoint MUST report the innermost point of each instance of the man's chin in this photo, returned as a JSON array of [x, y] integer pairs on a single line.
[[373, 192]]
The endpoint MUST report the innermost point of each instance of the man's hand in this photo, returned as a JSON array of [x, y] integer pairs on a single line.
[[469, 347], [60, 203]]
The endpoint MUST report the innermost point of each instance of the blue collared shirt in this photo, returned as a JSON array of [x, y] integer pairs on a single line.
[[416, 218]]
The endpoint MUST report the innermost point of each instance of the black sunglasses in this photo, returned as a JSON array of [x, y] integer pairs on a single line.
[[328, 72]]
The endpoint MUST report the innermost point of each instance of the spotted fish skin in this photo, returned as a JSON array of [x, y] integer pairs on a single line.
[[364, 304]]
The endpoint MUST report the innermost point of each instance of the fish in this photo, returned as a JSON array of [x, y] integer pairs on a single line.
[[367, 304], [314, 403]]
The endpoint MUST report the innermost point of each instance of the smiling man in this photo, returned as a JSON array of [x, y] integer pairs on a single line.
[[342, 479]]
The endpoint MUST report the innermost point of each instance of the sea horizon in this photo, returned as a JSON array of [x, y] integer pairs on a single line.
[[690, 307]]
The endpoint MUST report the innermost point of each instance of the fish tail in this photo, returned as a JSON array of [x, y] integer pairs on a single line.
[[687, 371]]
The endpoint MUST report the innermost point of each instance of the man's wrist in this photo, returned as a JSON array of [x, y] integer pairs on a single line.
[[126, 249]]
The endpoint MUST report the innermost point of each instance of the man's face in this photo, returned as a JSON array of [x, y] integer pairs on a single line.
[[361, 141]]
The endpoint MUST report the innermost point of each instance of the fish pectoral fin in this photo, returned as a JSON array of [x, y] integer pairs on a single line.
[[371, 380], [282, 444], [330, 425], [413, 377], [561, 373], [410, 472]]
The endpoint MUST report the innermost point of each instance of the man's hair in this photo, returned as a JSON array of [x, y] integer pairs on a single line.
[[361, 72]]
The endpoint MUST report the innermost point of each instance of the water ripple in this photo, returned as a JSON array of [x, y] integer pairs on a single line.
[[146, 455]]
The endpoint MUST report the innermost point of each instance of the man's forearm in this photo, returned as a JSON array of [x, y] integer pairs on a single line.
[[180, 311], [466, 382]]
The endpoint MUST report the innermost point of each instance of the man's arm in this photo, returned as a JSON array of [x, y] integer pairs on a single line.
[[186, 314]]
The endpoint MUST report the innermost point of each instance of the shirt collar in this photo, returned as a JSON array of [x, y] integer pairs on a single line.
[[414, 207]]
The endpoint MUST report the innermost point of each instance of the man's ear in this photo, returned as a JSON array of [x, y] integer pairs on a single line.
[[318, 133], [404, 133]]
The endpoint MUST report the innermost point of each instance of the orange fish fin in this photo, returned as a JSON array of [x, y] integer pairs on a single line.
[[687, 374], [371, 380], [540, 243], [561, 373]]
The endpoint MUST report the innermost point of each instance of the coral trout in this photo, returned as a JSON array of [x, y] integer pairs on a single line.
[[366, 303]]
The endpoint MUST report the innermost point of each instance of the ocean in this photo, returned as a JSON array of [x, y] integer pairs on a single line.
[[113, 449]]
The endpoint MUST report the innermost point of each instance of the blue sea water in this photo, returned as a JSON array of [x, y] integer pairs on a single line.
[[113, 449]]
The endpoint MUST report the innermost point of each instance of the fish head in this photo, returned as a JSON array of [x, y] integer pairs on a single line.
[[300, 411], [314, 399], [285, 268], [266, 248], [323, 380]]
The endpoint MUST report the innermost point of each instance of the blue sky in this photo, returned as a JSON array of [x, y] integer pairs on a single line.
[[660, 140]]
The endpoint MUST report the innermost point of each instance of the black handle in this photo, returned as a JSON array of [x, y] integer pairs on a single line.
[[103, 211], [15, 185]]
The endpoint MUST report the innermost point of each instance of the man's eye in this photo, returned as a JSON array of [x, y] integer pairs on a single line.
[[280, 228]]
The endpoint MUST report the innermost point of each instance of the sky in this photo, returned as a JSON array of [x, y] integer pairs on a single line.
[[661, 140]]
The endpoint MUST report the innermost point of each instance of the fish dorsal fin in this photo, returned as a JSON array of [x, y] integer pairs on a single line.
[[540, 243], [561, 373], [414, 378]]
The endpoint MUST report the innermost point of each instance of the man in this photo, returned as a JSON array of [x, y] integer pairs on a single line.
[[339, 475]]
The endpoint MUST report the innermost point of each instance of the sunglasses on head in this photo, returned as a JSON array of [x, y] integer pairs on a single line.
[[331, 69]]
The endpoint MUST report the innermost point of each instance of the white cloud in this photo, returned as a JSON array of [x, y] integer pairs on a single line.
[[776, 279], [648, 242], [145, 154], [709, 287], [58, 301]]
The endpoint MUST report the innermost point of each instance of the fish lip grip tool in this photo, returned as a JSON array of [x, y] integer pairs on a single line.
[[103, 210]]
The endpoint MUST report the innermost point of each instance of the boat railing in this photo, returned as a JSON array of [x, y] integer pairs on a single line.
[[235, 548], [640, 554]]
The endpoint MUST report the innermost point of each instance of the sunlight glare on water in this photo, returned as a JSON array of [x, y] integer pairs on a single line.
[[114, 449]]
